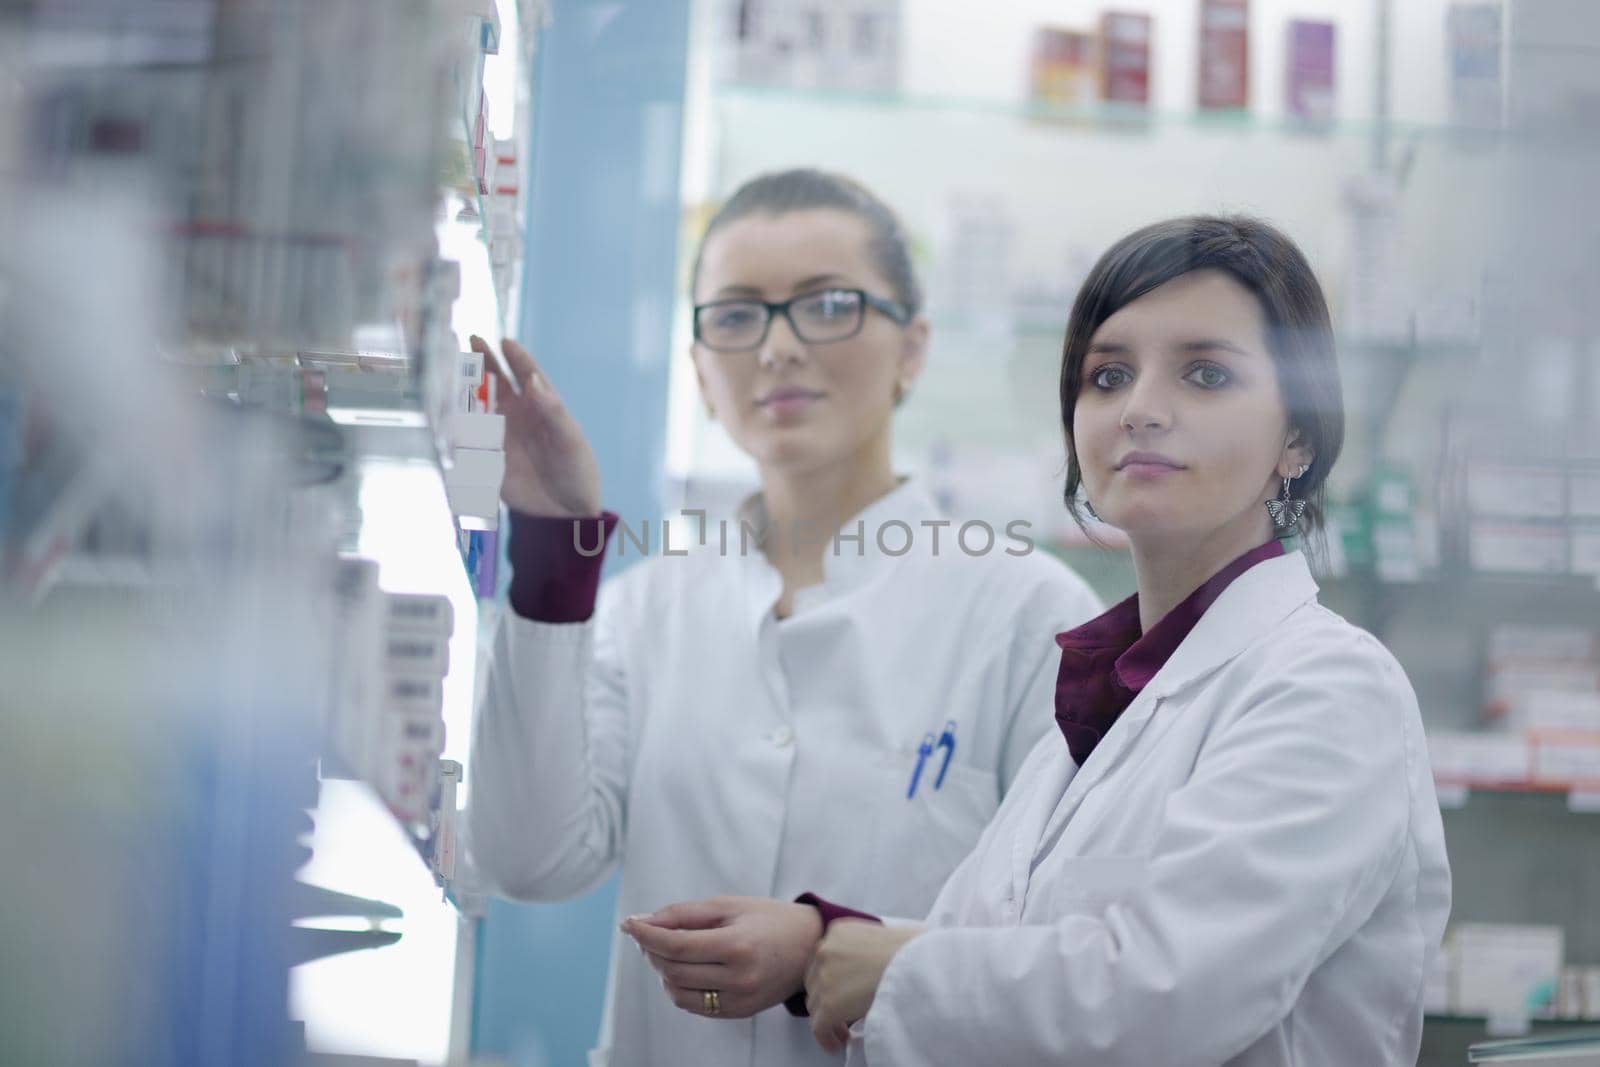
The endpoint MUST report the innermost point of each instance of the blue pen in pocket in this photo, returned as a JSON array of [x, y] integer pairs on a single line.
[[947, 741], [924, 750]]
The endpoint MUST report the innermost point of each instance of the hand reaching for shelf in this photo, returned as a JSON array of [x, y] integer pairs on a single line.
[[550, 467]]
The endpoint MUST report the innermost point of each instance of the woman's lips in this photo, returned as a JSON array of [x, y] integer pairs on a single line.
[[1148, 465], [1147, 469], [784, 402]]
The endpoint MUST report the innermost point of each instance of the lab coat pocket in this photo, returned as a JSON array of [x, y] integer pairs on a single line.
[[925, 835]]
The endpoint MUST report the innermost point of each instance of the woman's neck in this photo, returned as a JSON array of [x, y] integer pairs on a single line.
[[805, 508], [1169, 568]]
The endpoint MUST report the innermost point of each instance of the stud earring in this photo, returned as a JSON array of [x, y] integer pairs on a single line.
[[1286, 511]]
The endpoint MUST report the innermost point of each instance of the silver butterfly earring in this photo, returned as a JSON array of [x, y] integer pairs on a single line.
[[1286, 511]]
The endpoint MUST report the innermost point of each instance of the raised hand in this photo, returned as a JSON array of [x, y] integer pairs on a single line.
[[550, 468]]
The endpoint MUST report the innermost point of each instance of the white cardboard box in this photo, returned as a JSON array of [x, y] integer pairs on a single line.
[[1523, 641], [1478, 758], [1518, 548], [422, 612], [477, 430], [476, 467], [1440, 979], [476, 507], [1569, 759], [1554, 709], [1516, 491]]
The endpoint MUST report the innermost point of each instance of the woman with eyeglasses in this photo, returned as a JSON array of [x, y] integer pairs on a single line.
[[1231, 851], [830, 692]]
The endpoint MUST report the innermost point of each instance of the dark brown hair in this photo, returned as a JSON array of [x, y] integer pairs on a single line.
[[804, 189], [1299, 332]]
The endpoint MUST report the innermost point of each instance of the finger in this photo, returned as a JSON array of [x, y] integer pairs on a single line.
[[826, 1034], [523, 364], [691, 915], [692, 975], [495, 363], [692, 999], [682, 946]]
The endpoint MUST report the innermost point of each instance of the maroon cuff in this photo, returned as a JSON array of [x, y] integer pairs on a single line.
[[556, 564], [830, 911]]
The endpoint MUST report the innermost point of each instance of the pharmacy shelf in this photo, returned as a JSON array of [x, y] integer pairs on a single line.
[[1455, 795], [1446, 1037], [1460, 583], [1483, 1020], [1574, 1048], [1453, 595], [466, 184], [1129, 118]]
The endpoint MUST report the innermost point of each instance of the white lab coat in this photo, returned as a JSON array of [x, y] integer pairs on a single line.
[[1248, 870], [711, 748]]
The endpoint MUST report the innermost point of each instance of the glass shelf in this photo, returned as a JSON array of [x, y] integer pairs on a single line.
[[1125, 118], [1568, 1049], [1582, 799], [1464, 581], [1484, 1020]]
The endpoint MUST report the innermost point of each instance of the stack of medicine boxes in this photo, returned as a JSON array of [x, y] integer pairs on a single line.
[[387, 727], [416, 643], [477, 464]]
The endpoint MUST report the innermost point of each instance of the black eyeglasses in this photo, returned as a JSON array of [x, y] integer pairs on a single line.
[[816, 318]]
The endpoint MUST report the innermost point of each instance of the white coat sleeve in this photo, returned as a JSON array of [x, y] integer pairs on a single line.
[[1280, 845], [1057, 601], [548, 776]]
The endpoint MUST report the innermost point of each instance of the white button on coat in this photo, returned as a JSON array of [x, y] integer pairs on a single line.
[[1248, 870], [710, 748]]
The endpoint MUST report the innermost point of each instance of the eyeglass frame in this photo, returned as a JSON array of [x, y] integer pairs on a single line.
[[890, 309]]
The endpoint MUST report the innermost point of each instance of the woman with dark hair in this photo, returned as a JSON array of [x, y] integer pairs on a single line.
[[752, 717], [1233, 852]]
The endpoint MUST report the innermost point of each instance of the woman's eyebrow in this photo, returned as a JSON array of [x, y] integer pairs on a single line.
[[1212, 344], [737, 291], [816, 279], [1111, 348]]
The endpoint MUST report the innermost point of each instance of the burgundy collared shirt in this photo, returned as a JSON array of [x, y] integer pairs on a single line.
[[1108, 660]]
